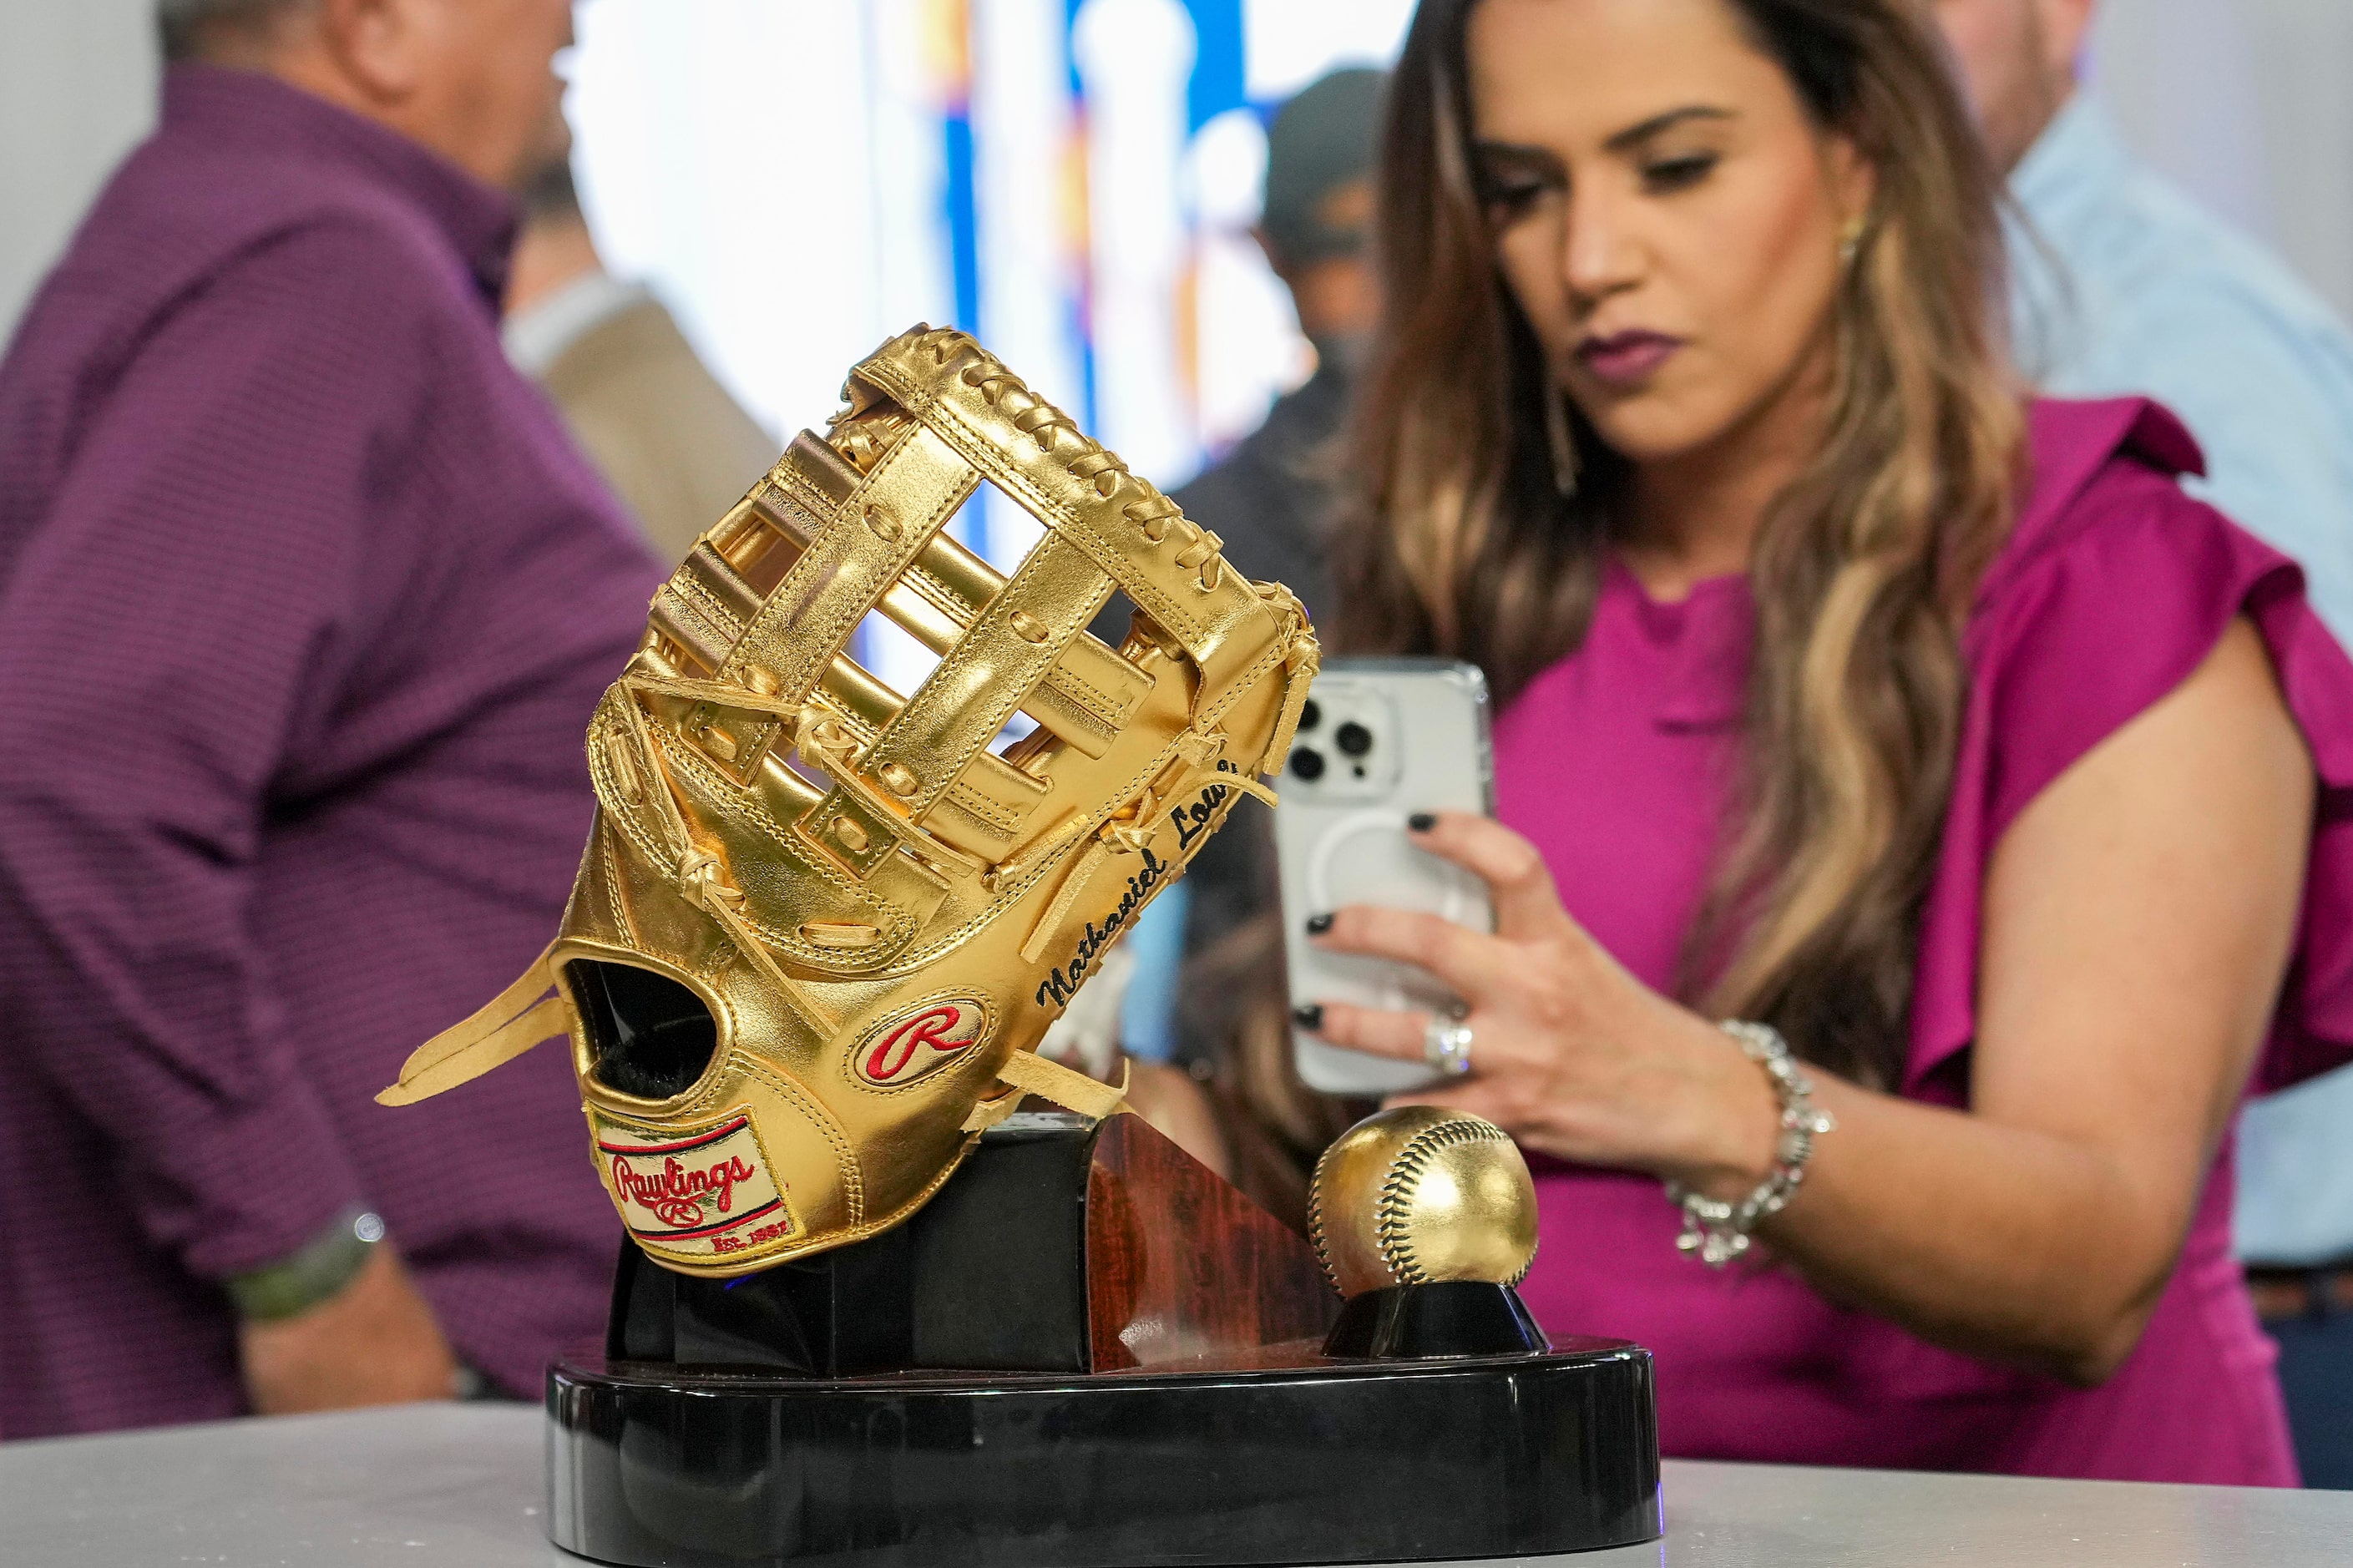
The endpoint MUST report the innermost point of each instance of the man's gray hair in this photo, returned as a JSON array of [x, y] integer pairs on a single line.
[[183, 23]]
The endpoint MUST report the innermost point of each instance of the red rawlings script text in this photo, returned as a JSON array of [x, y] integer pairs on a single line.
[[676, 1195]]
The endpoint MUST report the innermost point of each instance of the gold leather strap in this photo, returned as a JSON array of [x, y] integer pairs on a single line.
[[1305, 660], [1080, 492], [1168, 564], [1116, 838], [513, 1023], [854, 559], [1088, 695], [992, 669], [1033, 1074], [699, 874], [1089, 861], [989, 1112], [1028, 1073]]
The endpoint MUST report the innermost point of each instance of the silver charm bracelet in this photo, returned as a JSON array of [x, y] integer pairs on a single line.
[[1716, 1232]]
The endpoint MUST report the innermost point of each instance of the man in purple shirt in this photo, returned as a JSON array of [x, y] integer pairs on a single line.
[[304, 602]]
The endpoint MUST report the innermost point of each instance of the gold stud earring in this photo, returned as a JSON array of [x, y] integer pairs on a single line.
[[1565, 466], [1850, 240]]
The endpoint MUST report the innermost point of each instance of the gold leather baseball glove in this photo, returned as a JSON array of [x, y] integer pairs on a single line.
[[821, 927]]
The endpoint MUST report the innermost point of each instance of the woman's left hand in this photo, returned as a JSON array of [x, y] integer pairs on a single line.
[[1569, 1053]]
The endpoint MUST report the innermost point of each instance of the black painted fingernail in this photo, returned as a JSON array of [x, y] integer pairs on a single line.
[[1309, 1016], [1318, 924], [1422, 821]]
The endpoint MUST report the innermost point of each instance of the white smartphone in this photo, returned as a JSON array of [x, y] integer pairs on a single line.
[[1379, 740]]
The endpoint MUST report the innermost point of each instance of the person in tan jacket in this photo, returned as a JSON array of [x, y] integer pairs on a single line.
[[675, 447]]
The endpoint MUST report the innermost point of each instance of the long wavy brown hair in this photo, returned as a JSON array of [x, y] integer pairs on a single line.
[[1460, 543]]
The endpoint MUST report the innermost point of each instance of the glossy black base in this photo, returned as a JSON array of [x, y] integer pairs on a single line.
[[1451, 1318], [1301, 1460]]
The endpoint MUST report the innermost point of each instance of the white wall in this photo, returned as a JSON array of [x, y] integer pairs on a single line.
[[725, 156], [2245, 103], [2302, 57], [77, 91]]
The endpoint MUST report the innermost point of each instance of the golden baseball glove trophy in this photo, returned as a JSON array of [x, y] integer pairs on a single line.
[[873, 1309], [821, 927]]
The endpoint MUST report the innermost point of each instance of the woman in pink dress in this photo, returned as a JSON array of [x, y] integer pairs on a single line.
[[1848, 694]]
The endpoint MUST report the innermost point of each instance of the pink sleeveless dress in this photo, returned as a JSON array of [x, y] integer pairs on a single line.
[[2113, 588]]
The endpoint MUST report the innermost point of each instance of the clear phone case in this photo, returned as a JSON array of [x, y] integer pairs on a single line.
[[1382, 739]]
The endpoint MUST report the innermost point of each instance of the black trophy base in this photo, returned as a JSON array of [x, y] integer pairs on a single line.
[[1298, 1460], [1454, 1317]]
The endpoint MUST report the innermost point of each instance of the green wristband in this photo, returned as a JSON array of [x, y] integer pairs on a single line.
[[318, 1271]]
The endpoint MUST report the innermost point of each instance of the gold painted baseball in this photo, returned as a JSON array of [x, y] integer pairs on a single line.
[[1418, 1194]]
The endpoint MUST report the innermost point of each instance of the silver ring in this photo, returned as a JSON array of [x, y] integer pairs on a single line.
[[1446, 1046]]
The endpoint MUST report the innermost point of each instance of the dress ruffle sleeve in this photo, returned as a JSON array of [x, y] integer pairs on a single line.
[[2115, 587]]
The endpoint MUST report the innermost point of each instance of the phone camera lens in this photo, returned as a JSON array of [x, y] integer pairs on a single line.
[[1310, 715], [1307, 765], [1353, 739]]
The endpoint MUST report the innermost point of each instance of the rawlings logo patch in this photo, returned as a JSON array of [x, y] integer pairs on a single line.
[[704, 1191], [915, 1044]]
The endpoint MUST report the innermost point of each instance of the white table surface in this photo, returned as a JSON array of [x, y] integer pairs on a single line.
[[460, 1486]]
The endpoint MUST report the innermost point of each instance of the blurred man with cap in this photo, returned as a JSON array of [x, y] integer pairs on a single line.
[[305, 602], [675, 447], [2124, 286], [1268, 497]]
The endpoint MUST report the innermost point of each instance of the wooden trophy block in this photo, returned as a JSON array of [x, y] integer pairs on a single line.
[[1181, 1266]]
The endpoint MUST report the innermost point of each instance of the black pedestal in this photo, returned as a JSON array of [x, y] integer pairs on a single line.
[[1087, 1353], [1458, 1317], [1318, 1462], [991, 1275]]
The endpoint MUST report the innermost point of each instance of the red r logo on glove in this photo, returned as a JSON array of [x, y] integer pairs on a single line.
[[900, 1050]]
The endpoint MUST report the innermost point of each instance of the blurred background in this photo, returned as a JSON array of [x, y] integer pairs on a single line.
[[798, 178], [1076, 182], [1073, 180], [778, 185]]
